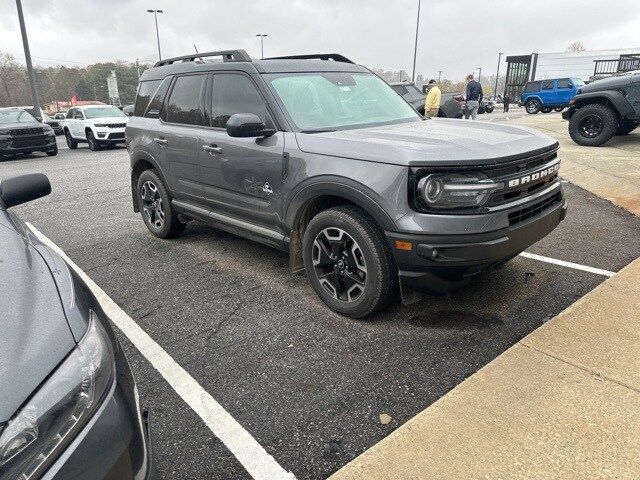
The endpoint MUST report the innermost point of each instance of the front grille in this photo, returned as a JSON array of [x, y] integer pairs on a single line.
[[32, 142], [532, 210], [117, 125], [116, 135], [26, 131]]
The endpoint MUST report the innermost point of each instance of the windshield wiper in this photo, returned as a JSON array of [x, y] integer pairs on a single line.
[[318, 130]]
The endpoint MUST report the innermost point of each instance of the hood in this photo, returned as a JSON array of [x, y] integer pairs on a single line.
[[612, 83], [35, 334], [437, 142], [108, 120], [5, 127]]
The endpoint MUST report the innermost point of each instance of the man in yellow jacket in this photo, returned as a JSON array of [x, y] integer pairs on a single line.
[[432, 102]]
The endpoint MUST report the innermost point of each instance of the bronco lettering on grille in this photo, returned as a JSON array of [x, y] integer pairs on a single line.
[[534, 176]]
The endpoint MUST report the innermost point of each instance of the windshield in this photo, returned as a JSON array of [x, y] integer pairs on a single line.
[[337, 100], [16, 116], [102, 112]]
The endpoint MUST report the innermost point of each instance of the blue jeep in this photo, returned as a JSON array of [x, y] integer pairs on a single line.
[[551, 94]]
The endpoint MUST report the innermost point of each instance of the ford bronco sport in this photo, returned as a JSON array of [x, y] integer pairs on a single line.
[[319, 157]]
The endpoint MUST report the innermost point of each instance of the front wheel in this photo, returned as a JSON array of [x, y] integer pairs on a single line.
[[71, 142], [533, 106], [593, 125], [155, 206], [52, 153], [94, 146], [348, 261]]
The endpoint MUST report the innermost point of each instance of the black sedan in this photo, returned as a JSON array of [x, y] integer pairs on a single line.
[[450, 103], [68, 401]]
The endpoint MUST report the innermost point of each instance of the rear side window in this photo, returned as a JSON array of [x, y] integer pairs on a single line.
[[234, 93], [184, 105], [547, 85], [401, 89], [145, 92], [155, 106], [532, 87], [564, 83]]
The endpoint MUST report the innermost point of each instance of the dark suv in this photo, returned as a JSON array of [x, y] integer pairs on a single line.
[[605, 108], [319, 157]]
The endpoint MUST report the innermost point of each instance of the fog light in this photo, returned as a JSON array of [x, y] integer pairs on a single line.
[[102, 135]]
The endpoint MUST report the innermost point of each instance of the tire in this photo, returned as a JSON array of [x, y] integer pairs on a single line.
[[166, 225], [94, 146], [52, 153], [533, 106], [558, 109], [545, 110], [626, 128], [366, 258], [488, 109], [593, 125], [72, 143]]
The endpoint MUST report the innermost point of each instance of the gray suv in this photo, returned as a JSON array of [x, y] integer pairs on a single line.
[[319, 157]]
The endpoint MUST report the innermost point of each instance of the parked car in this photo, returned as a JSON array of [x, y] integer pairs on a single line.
[[97, 125], [127, 110], [60, 115], [323, 159], [547, 95], [22, 134], [486, 106], [68, 403], [449, 107], [55, 125], [605, 108]]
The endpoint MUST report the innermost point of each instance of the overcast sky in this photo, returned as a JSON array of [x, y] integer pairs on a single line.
[[456, 36]]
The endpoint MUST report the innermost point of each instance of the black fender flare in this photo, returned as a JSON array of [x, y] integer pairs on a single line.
[[136, 159], [617, 99], [346, 188]]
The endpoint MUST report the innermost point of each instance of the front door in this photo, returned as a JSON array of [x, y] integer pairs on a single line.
[[565, 91], [242, 177], [547, 93]]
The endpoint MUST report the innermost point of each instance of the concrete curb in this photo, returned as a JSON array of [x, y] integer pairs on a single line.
[[563, 403]]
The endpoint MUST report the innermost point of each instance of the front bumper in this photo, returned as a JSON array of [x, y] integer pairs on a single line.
[[568, 113], [109, 135], [39, 143], [438, 264]]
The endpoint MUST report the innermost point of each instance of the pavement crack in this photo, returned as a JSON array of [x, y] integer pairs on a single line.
[[584, 368]]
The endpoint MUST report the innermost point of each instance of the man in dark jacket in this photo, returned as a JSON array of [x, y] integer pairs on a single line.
[[474, 97], [505, 102]]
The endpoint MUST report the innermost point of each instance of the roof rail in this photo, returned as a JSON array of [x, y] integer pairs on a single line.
[[336, 57], [227, 56]]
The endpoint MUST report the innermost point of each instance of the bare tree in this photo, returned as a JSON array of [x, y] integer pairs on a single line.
[[14, 89], [576, 47]]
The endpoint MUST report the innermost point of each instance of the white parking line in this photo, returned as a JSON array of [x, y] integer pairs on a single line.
[[253, 457], [575, 266]]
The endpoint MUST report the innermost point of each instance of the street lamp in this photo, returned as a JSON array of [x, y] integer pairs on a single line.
[[439, 76], [155, 14], [27, 56], [415, 48], [479, 74], [262, 35], [495, 92]]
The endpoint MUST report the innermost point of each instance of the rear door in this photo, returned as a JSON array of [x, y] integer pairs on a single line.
[[242, 177], [182, 120]]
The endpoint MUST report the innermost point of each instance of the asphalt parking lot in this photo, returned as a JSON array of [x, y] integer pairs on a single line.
[[307, 384]]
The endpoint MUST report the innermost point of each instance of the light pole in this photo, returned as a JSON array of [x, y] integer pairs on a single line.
[[479, 74], [415, 48], [495, 92], [155, 15], [27, 56], [439, 76], [262, 35]]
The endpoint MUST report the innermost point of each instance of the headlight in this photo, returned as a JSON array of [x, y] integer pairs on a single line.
[[456, 190], [58, 410], [100, 125]]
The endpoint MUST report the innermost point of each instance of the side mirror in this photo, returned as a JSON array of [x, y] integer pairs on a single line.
[[245, 125], [424, 88], [20, 189]]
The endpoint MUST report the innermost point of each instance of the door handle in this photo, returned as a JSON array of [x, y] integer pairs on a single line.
[[161, 141], [212, 149]]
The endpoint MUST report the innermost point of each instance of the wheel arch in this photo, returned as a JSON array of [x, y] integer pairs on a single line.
[[613, 99], [139, 164]]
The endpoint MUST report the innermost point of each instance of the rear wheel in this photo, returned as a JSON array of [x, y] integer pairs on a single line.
[[94, 146], [533, 106], [71, 142], [558, 109], [593, 125], [155, 206], [626, 127], [545, 110], [349, 262]]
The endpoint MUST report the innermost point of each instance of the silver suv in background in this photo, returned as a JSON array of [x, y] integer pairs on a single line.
[[319, 157]]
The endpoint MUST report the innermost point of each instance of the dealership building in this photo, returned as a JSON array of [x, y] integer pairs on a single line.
[[588, 65]]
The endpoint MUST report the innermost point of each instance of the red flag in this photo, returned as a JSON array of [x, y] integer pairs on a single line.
[[74, 100]]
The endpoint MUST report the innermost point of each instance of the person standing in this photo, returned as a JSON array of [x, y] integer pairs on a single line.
[[474, 97], [432, 102], [505, 102]]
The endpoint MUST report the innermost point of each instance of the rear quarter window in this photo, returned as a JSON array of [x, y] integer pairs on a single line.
[[145, 93], [532, 87]]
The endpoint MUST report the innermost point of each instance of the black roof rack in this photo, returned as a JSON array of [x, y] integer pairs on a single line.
[[227, 56], [336, 57]]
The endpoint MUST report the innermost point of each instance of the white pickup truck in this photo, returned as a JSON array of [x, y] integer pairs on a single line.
[[97, 125]]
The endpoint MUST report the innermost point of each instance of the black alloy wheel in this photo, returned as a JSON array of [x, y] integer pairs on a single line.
[[591, 126], [339, 264]]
